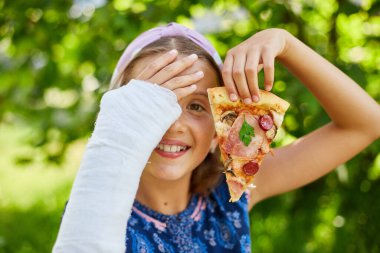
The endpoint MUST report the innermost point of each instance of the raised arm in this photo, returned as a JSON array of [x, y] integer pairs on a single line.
[[355, 115]]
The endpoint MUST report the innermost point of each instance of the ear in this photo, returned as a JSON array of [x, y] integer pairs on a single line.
[[214, 144]]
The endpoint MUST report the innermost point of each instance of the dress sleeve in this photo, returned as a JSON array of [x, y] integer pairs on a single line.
[[130, 124]]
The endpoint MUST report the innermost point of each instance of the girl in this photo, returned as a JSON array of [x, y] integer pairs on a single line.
[[150, 177]]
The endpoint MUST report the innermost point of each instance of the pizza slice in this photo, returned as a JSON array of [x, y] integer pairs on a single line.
[[245, 133]]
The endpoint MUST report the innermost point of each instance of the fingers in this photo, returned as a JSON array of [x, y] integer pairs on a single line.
[[157, 65], [173, 69], [183, 92], [227, 77], [251, 70], [183, 86], [183, 81], [165, 69], [268, 62], [240, 74]]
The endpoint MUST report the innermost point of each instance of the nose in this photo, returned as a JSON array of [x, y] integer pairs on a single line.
[[179, 126]]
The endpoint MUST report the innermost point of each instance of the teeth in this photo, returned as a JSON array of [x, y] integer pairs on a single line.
[[171, 148], [166, 148]]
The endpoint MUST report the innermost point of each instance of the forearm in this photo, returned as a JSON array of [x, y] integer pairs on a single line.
[[348, 105], [131, 122]]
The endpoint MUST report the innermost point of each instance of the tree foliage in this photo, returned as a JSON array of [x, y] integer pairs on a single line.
[[56, 59]]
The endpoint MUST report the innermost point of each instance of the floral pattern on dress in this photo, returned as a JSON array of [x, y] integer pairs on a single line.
[[208, 224], [140, 243], [235, 218]]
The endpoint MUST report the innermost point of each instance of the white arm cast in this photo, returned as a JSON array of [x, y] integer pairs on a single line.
[[130, 124]]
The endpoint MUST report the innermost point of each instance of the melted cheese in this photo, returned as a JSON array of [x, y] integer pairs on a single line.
[[222, 129]]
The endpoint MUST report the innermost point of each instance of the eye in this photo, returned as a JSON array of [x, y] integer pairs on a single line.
[[195, 107]]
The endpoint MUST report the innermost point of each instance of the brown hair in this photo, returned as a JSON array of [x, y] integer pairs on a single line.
[[208, 174]]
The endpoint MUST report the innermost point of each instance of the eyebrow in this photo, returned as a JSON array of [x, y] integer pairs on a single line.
[[202, 93]]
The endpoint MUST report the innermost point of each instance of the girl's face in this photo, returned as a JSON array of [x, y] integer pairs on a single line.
[[194, 129]]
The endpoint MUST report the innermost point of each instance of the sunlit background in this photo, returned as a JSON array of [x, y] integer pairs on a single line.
[[56, 59]]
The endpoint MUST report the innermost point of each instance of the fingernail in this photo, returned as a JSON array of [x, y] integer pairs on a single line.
[[193, 56], [173, 52], [199, 73], [255, 98], [247, 101], [267, 87], [233, 97]]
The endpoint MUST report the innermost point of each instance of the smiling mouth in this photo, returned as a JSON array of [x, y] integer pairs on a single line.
[[171, 148], [171, 151]]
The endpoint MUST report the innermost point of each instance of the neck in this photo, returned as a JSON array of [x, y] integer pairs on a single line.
[[166, 197]]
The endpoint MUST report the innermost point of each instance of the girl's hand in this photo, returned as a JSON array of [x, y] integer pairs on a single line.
[[165, 69], [244, 61]]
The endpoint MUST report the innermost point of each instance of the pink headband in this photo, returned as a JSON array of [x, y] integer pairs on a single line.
[[172, 29]]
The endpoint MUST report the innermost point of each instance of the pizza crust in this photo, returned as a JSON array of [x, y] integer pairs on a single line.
[[268, 101]]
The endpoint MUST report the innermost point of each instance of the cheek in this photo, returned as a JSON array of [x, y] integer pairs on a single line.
[[203, 130]]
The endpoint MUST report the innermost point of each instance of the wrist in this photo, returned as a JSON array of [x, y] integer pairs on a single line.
[[288, 41]]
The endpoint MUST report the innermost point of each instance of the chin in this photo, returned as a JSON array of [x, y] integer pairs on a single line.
[[169, 173]]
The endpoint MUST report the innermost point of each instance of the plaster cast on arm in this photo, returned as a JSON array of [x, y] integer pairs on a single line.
[[130, 124]]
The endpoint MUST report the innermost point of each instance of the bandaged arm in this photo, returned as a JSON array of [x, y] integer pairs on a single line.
[[131, 122]]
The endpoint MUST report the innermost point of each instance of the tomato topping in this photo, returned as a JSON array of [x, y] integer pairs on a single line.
[[251, 168], [265, 122]]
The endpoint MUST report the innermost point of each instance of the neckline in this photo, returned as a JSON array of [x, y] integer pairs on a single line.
[[165, 217]]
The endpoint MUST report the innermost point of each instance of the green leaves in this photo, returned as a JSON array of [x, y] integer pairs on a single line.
[[246, 133]]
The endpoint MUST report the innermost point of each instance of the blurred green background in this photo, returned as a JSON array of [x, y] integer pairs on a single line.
[[56, 58]]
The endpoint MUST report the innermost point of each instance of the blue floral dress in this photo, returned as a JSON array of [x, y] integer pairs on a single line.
[[208, 224]]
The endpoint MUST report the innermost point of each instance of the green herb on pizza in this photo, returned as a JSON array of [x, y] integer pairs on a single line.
[[246, 133]]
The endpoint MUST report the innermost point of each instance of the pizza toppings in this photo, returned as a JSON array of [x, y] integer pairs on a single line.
[[265, 147], [228, 117], [246, 133], [266, 122], [251, 168], [271, 133], [231, 171], [228, 167], [233, 145]]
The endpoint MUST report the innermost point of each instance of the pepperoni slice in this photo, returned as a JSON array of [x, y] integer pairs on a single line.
[[251, 168], [266, 122]]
